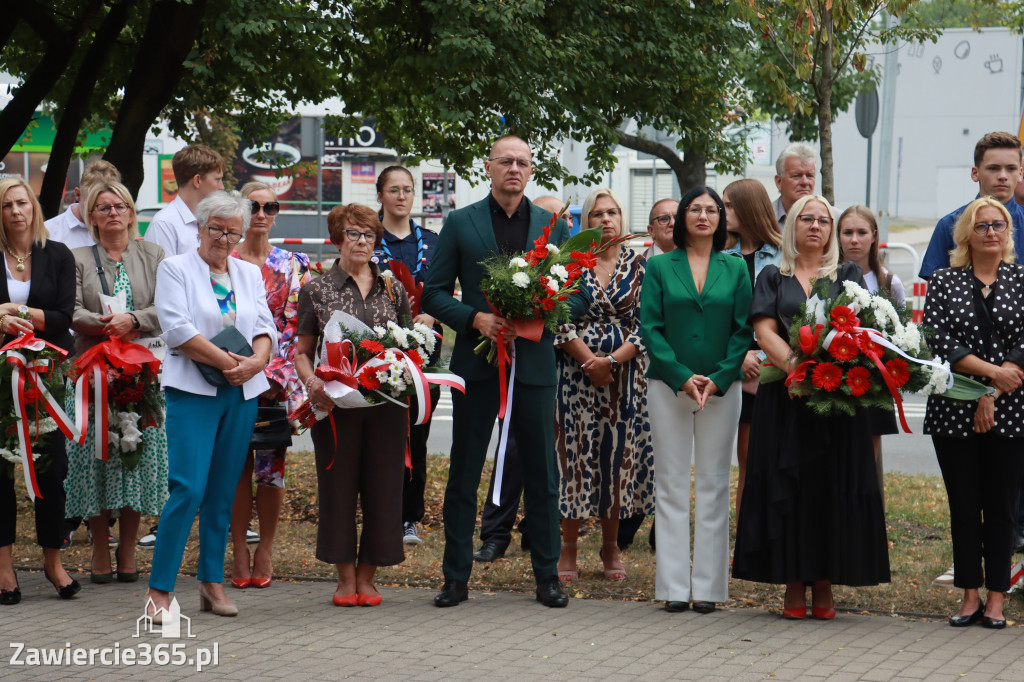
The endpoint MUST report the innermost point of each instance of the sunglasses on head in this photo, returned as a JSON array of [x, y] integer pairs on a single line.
[[271, 208]]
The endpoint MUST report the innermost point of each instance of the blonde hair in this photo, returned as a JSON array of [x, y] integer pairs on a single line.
[[39, 231], [588, 206], [92, 194], [960, 257], [255, 186], [829, 257]]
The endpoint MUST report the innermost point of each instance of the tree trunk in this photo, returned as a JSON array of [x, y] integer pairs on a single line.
[[689, 170], [77, 107], [823, 93], [18, 113], [170, 33], [12, 15]]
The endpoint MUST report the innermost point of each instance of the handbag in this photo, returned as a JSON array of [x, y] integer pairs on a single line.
[[272, 430], [232, 341]]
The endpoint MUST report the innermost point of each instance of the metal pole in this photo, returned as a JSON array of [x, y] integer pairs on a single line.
[[444, 190], [889, 75], [320, 184], [867, 192]]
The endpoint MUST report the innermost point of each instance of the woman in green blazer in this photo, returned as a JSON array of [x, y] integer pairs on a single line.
[[694, 308]]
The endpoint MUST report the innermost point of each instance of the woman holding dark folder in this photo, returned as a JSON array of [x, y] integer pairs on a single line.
[[207, 302]]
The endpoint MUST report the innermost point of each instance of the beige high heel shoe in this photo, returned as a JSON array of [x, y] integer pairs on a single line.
[[206, 603]]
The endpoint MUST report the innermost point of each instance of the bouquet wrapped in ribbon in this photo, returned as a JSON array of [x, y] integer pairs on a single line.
[[361, 366], [31, 385], [861, 350], [122, 380]]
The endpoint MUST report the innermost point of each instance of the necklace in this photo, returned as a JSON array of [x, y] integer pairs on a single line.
[[20, 267]]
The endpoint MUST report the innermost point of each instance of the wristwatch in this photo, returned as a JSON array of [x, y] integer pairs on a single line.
[[23, 312], [615, 363], [135, 321]]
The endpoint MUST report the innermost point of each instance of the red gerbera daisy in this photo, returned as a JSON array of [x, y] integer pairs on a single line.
[[827, 376], [843, 348], [843, 318], [859, 380], [368, 379], [372, 346], [415, 356], [899, 370]]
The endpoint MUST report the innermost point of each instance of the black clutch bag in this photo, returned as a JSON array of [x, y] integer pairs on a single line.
[[232, 341], [272, 430]]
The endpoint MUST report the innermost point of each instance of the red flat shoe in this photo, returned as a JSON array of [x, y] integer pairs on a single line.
[[347, 600], [823, 614], [261, 582], [799, 613], [369, 599], [241, 583]]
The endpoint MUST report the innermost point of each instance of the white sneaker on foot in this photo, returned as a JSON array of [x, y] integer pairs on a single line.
[[409, 535], [946, 579], [251, 536]]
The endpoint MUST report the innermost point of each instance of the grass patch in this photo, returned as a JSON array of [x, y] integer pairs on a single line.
[[917, 518]]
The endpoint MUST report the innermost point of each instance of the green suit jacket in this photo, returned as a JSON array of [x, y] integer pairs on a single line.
[[687, 333], [466, 239]]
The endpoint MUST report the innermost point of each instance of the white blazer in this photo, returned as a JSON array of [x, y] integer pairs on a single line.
[[187, 308]]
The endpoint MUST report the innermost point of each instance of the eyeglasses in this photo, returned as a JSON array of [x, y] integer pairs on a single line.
[[696, 211], [217, 233], [663, 220], [107, 209], [509, 161], [270, 208], [356, 235], [996, 225], [808, 220], [611, 213], [399, 191]]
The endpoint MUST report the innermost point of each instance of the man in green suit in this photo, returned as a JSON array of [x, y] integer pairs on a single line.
[[505, 222]]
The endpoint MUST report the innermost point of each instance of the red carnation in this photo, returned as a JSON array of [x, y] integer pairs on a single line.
[[809, 339], [899, 370], [859, 380], [827, 376], [843, 318], [372, 345], [843, 348]]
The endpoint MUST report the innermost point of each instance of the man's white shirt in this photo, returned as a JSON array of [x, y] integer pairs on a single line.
[[69, 230], [174, 228]]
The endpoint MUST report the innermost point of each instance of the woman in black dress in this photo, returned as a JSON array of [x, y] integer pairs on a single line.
[[812, 511]]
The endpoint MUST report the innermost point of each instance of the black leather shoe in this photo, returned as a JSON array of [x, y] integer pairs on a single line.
[[64, 591], [549, 593], [490, 551], [11, 597], [524, 542], [993, 623], [677, 606], [703, 606], [452, 593], [964, 621]]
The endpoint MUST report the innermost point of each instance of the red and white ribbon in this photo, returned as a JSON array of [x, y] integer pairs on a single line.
[[102, 412], [506, 417]]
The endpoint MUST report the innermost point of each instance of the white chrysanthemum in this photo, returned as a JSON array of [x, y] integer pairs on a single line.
[[552, 249], [428, 336], [11, 457], [521, 280], [859, 294], [416, 336], [46, 425], [380, 331], [399, 334], [885, 313], [938, 382], [518, 262], [387, 274], [558, 270]]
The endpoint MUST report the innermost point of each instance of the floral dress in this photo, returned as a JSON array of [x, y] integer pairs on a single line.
[[602, 435], [93, 485]]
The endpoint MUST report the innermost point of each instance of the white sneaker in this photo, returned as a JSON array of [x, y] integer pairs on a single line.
[[149, 539], [946, 579], [409, 535], [251, 536]]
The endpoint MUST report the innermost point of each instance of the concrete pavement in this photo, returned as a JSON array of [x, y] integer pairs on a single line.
[[291, 630]]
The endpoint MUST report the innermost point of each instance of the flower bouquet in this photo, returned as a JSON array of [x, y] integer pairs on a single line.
[[122, 377], [861, 350], [361, 366], [29, 411]]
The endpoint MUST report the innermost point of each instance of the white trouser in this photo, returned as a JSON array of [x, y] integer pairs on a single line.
[[682, 432]]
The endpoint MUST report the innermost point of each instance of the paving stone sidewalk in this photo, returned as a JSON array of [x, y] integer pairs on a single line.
[[292, 631]]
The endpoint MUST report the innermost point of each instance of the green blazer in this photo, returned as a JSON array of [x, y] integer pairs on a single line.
[[466, 239], [686, 333]]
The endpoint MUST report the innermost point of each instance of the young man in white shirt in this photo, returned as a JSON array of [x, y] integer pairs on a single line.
[[69, 228], [198, 170]]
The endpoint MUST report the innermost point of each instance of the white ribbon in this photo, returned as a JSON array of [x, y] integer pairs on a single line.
[[499, 459], [876, 337]]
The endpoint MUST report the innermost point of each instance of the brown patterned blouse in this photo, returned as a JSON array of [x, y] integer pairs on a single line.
[[336, 290]]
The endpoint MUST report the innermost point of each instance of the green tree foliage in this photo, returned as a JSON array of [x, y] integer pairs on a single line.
[[968, 13], [807, 58]]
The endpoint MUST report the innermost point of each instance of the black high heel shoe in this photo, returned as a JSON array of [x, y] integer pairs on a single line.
[[11, 597], [65, 591]]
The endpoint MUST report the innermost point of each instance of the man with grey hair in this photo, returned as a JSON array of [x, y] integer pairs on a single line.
[[795, 171], [660, 225]]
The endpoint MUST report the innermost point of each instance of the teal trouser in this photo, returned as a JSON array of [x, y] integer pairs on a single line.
[[532, 424], [207, 441]]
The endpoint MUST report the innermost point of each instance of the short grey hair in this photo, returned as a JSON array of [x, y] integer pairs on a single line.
[[255, 186], [226, 205], [800, 150]]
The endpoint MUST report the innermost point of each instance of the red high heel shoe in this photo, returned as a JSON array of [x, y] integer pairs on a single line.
[[799, 613], [823, 614], [261, 582], [241, 583], [346, 600]]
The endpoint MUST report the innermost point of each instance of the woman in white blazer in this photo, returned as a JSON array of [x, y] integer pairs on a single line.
[[198, 295]]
